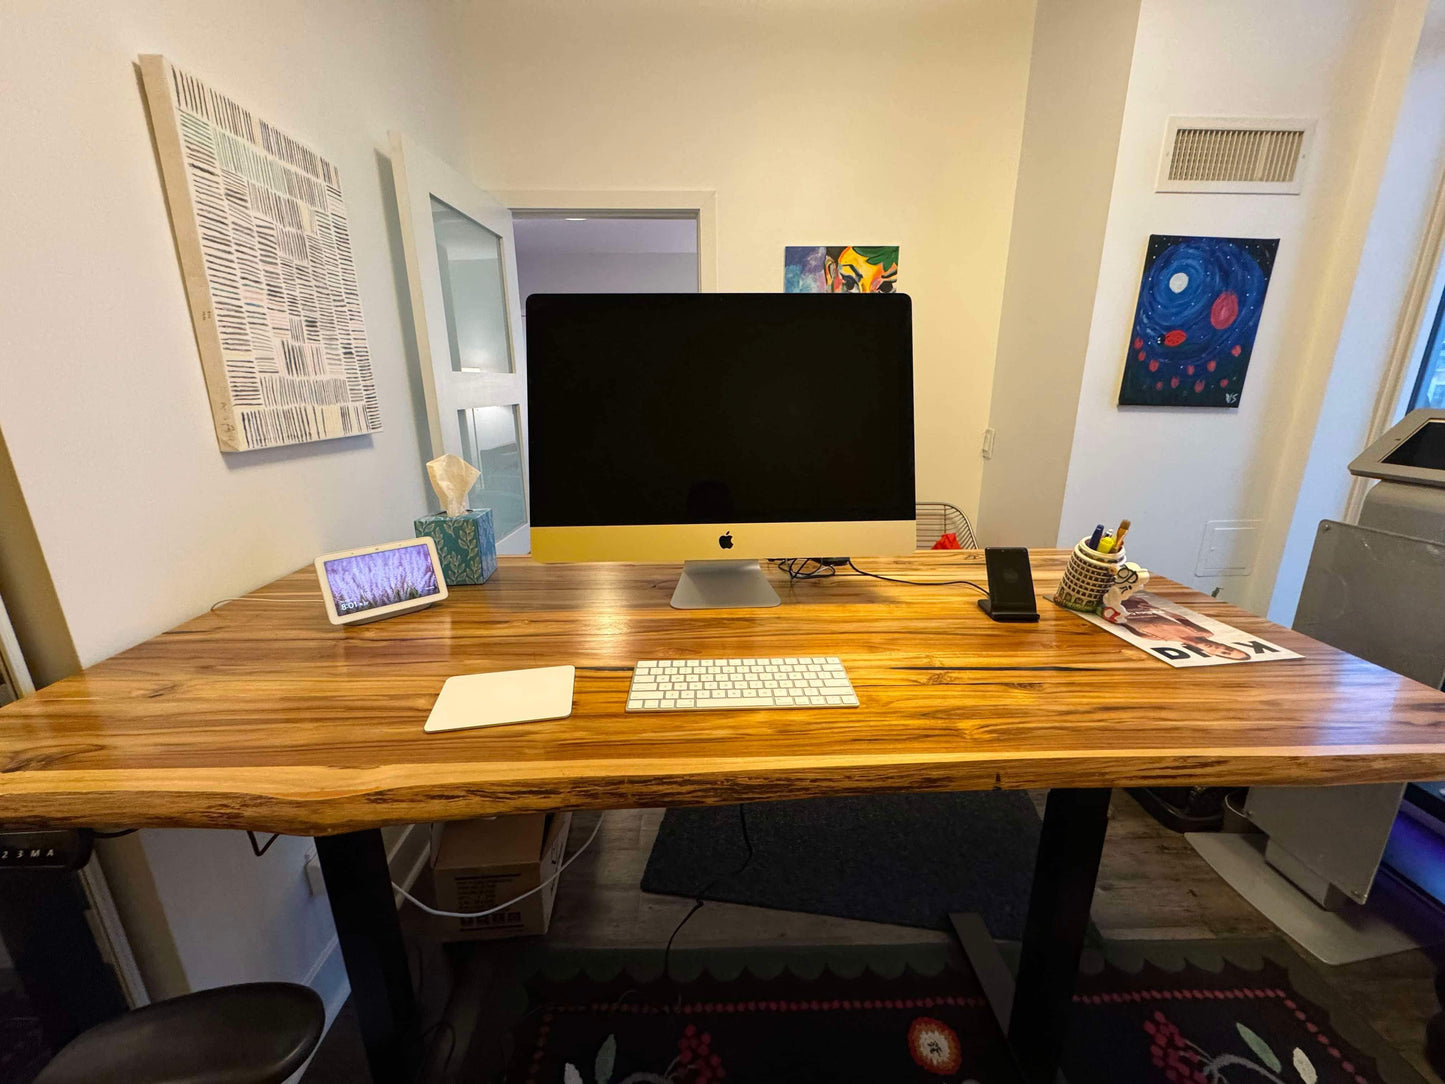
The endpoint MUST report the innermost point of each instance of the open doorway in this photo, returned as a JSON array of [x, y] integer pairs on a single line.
[[631, 252]]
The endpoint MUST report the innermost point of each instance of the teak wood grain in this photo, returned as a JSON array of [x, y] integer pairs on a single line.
[[265, 716]]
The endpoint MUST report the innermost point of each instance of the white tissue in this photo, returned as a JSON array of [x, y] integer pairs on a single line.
[[452, 477]]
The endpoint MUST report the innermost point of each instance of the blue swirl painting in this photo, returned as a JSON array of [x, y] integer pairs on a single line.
[[1199, 307]]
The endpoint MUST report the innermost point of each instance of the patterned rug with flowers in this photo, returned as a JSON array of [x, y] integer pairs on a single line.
[[1191, 1013]]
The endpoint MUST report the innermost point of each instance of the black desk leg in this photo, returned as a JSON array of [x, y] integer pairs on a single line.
[[1059, 902], [358, 885]]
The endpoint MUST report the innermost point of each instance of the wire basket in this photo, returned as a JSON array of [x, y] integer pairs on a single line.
[[936, 519], [1087, 576]]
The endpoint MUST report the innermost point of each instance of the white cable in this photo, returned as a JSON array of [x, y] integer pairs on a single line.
[[502, 906], [247, 598]]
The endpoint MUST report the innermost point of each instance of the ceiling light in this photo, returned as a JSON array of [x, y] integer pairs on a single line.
[[575, 220]]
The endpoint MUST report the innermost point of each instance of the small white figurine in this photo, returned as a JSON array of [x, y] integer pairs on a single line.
[[1127, 579]]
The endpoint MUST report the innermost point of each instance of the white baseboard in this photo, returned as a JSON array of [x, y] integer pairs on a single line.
[[327, 977], [408, 855]]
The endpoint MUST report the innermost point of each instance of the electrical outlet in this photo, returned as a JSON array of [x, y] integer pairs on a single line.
[[988, 437]]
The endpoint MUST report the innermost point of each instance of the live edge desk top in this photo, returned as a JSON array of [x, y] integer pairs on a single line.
[[265, 716]]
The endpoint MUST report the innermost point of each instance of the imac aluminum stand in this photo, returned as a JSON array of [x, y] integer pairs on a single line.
[[723, 585]]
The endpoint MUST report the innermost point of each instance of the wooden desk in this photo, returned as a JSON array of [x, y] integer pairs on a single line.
[[262, 715]]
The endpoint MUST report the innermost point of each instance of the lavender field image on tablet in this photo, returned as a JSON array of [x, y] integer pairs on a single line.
[[369, 580]]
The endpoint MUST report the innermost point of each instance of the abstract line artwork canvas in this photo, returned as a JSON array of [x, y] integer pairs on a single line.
[[265, 250], [840, 269], [1199, 306]]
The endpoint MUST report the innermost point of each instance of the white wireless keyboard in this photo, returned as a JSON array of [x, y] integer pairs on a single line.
[[693, 684]]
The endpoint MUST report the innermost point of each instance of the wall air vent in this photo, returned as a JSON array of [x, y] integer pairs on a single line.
[[1235, 154]]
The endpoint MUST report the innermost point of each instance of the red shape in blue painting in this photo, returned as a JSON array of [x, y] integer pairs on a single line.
[[1224, 311]]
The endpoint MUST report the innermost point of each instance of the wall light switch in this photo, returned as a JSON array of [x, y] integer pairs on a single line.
[[1228, 547], [988, 435]]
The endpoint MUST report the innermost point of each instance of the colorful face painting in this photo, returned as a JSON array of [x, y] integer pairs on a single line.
[[1199, 307], [845, 269]]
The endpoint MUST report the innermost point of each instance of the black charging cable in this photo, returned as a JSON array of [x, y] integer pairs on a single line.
[[697, 905], [918, 583]]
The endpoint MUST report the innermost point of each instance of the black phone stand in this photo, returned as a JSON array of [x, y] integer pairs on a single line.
[[1007, 615], [1010, 585]]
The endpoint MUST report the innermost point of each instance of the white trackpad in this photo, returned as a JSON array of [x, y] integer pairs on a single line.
[[509, 696]]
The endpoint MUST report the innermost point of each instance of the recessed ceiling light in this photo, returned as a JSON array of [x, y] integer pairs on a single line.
[[575, 220]]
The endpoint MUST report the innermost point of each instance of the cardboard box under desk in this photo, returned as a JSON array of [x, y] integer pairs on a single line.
[[478, 864]]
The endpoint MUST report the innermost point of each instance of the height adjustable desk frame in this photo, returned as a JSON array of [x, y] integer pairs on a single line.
[[270, 718]]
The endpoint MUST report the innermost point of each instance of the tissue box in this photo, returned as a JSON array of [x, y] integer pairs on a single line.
[[465, 543]]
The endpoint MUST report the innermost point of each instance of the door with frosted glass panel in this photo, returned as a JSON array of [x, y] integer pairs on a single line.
[[462, 273]]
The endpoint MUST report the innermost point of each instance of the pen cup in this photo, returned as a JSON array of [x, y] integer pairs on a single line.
[[1087, 576]]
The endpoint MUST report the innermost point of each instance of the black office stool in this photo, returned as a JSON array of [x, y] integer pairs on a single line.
[[256, 1033]]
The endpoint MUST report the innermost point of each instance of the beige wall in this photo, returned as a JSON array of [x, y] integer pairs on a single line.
[[815, 122], [1077, 85], [1392, 251], [1171, 470], [142, 521], [26, 587]]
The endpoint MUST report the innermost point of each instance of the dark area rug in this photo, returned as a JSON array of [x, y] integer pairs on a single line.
[[786, 1028], [1261, 1015], [23, 1050], [1196, 1013], [906, 859]]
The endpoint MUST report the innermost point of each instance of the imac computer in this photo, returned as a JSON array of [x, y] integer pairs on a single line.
[[718, 430]]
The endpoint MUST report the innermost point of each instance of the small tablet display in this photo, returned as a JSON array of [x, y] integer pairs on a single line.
[[1425, 447], [380, 581]]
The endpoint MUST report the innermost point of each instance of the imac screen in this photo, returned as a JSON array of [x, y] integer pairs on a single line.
[[366, 581], [1425, 447], [720, 408]]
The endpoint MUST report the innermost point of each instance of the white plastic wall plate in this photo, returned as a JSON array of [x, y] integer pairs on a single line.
[[1228, 547]]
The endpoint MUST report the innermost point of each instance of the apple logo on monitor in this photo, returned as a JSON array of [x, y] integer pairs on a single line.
[[726, 541]]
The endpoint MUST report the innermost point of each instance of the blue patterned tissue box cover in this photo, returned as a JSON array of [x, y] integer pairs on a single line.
[[465, 543]]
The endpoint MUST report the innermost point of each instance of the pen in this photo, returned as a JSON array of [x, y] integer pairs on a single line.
[[1107, 544], [1094, 538]]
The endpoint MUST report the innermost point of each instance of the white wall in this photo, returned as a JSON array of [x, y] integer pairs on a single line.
[[595, 254], [606, 272], [1171, 470], [1078, 84], [816, 122], [143, 521], [1396, 235]]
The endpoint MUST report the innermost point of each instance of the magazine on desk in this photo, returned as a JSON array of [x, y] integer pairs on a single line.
[[1184, 637]]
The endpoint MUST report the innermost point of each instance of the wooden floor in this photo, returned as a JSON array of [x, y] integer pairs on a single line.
[[1152, 886]]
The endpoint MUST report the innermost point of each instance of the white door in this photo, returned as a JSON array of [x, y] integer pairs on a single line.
[[462, 271]]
